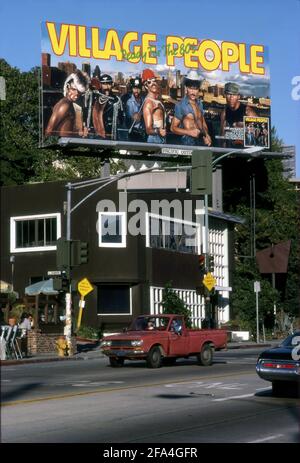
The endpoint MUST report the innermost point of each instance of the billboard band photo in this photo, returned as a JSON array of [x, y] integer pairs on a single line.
[[170, 106]]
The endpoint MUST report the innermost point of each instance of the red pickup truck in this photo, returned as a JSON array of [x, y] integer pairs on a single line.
[[162, 338]]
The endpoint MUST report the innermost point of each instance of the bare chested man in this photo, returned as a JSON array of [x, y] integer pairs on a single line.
[[189, 120], [66, 119], [153, 109]]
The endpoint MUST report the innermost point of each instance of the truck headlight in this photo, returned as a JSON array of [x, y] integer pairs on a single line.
[[105, 343], [137, 343]]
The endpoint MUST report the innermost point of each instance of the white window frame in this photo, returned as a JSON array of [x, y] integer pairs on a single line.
[[171, 219], [14, 220], [123, 216], [99, 314]]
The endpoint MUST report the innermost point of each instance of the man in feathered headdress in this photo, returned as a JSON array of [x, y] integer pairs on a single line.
[[66, 119]]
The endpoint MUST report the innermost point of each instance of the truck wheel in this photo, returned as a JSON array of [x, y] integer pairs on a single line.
[[116, 362], [205, 357], [154, 358]]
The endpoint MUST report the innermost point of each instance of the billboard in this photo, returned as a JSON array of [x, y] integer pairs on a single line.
[[105, 86]]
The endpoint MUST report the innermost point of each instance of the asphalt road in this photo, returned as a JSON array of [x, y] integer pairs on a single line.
[[87, 401]]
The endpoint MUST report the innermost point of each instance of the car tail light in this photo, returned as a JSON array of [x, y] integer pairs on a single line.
[[279, 365]]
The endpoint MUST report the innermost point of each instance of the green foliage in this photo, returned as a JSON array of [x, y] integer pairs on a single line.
[[277, 220], [172, 304], [22, 160], [17, 311], [243, 300], [88, 332]]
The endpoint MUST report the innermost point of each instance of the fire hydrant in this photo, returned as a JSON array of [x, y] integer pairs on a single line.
[[62, 346]]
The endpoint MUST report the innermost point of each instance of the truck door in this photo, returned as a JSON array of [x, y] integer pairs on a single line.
[[178, 338]]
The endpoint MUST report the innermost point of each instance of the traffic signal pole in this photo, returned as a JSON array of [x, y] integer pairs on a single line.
[[68, 297]]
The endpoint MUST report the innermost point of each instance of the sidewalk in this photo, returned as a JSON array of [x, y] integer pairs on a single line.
[[89, 351]]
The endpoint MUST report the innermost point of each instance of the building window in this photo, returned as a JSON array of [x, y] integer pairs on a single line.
[[112, 229], [114, 300], [172, 234], [34, 232]]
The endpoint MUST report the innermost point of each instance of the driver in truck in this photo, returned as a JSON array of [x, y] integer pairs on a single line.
[[176, 326], [150, 324]]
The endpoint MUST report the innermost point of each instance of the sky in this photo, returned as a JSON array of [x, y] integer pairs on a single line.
[[272, 23]]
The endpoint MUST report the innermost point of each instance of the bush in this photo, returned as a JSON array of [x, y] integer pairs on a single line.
[[89, 332], [172, 304], [17, 311]]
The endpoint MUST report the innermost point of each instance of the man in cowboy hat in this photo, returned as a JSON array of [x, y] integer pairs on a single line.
[[66, 119], [153, 110], [188, 120]]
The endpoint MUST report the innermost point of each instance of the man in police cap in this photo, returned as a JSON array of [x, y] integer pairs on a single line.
[[233, 114], [107, 110], [133, 111], [189, 121]]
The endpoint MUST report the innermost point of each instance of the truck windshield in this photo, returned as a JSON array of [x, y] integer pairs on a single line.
[[149, 323]]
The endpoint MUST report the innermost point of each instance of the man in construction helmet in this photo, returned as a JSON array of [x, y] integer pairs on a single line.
[[66, 119], [153, 110], [232, 116], [188, 120]]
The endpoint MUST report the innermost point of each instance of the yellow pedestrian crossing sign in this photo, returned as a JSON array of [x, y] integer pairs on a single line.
[[84, 287], [209, 281]]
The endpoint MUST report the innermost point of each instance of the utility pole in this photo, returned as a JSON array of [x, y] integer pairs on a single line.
[[257, 290]]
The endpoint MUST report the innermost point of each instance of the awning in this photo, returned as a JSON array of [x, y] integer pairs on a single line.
[[41, 287]]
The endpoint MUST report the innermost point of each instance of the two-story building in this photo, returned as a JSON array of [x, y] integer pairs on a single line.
[[142, 232]]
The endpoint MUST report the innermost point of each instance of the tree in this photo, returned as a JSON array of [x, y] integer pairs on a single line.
[[22, 160], [171, 303], [277, 220]]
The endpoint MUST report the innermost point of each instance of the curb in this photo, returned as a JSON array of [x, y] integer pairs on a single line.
[[37, 360], [82, 356], [249, 346]]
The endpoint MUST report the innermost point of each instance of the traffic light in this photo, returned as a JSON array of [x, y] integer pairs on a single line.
[[211, 263], [61, 284], [202, 270], [63, 255], [201, 262], [79, 253], [84, 252], [201, 172]]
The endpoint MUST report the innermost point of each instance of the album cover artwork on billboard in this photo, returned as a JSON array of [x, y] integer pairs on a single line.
[[143, 88]]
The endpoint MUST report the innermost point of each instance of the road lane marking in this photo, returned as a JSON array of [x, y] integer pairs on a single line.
[[101, 391], [207, 385], [233, 397], [265, 439], [95, 383]]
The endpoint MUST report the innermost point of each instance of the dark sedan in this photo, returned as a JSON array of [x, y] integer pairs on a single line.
[[281, 365]]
